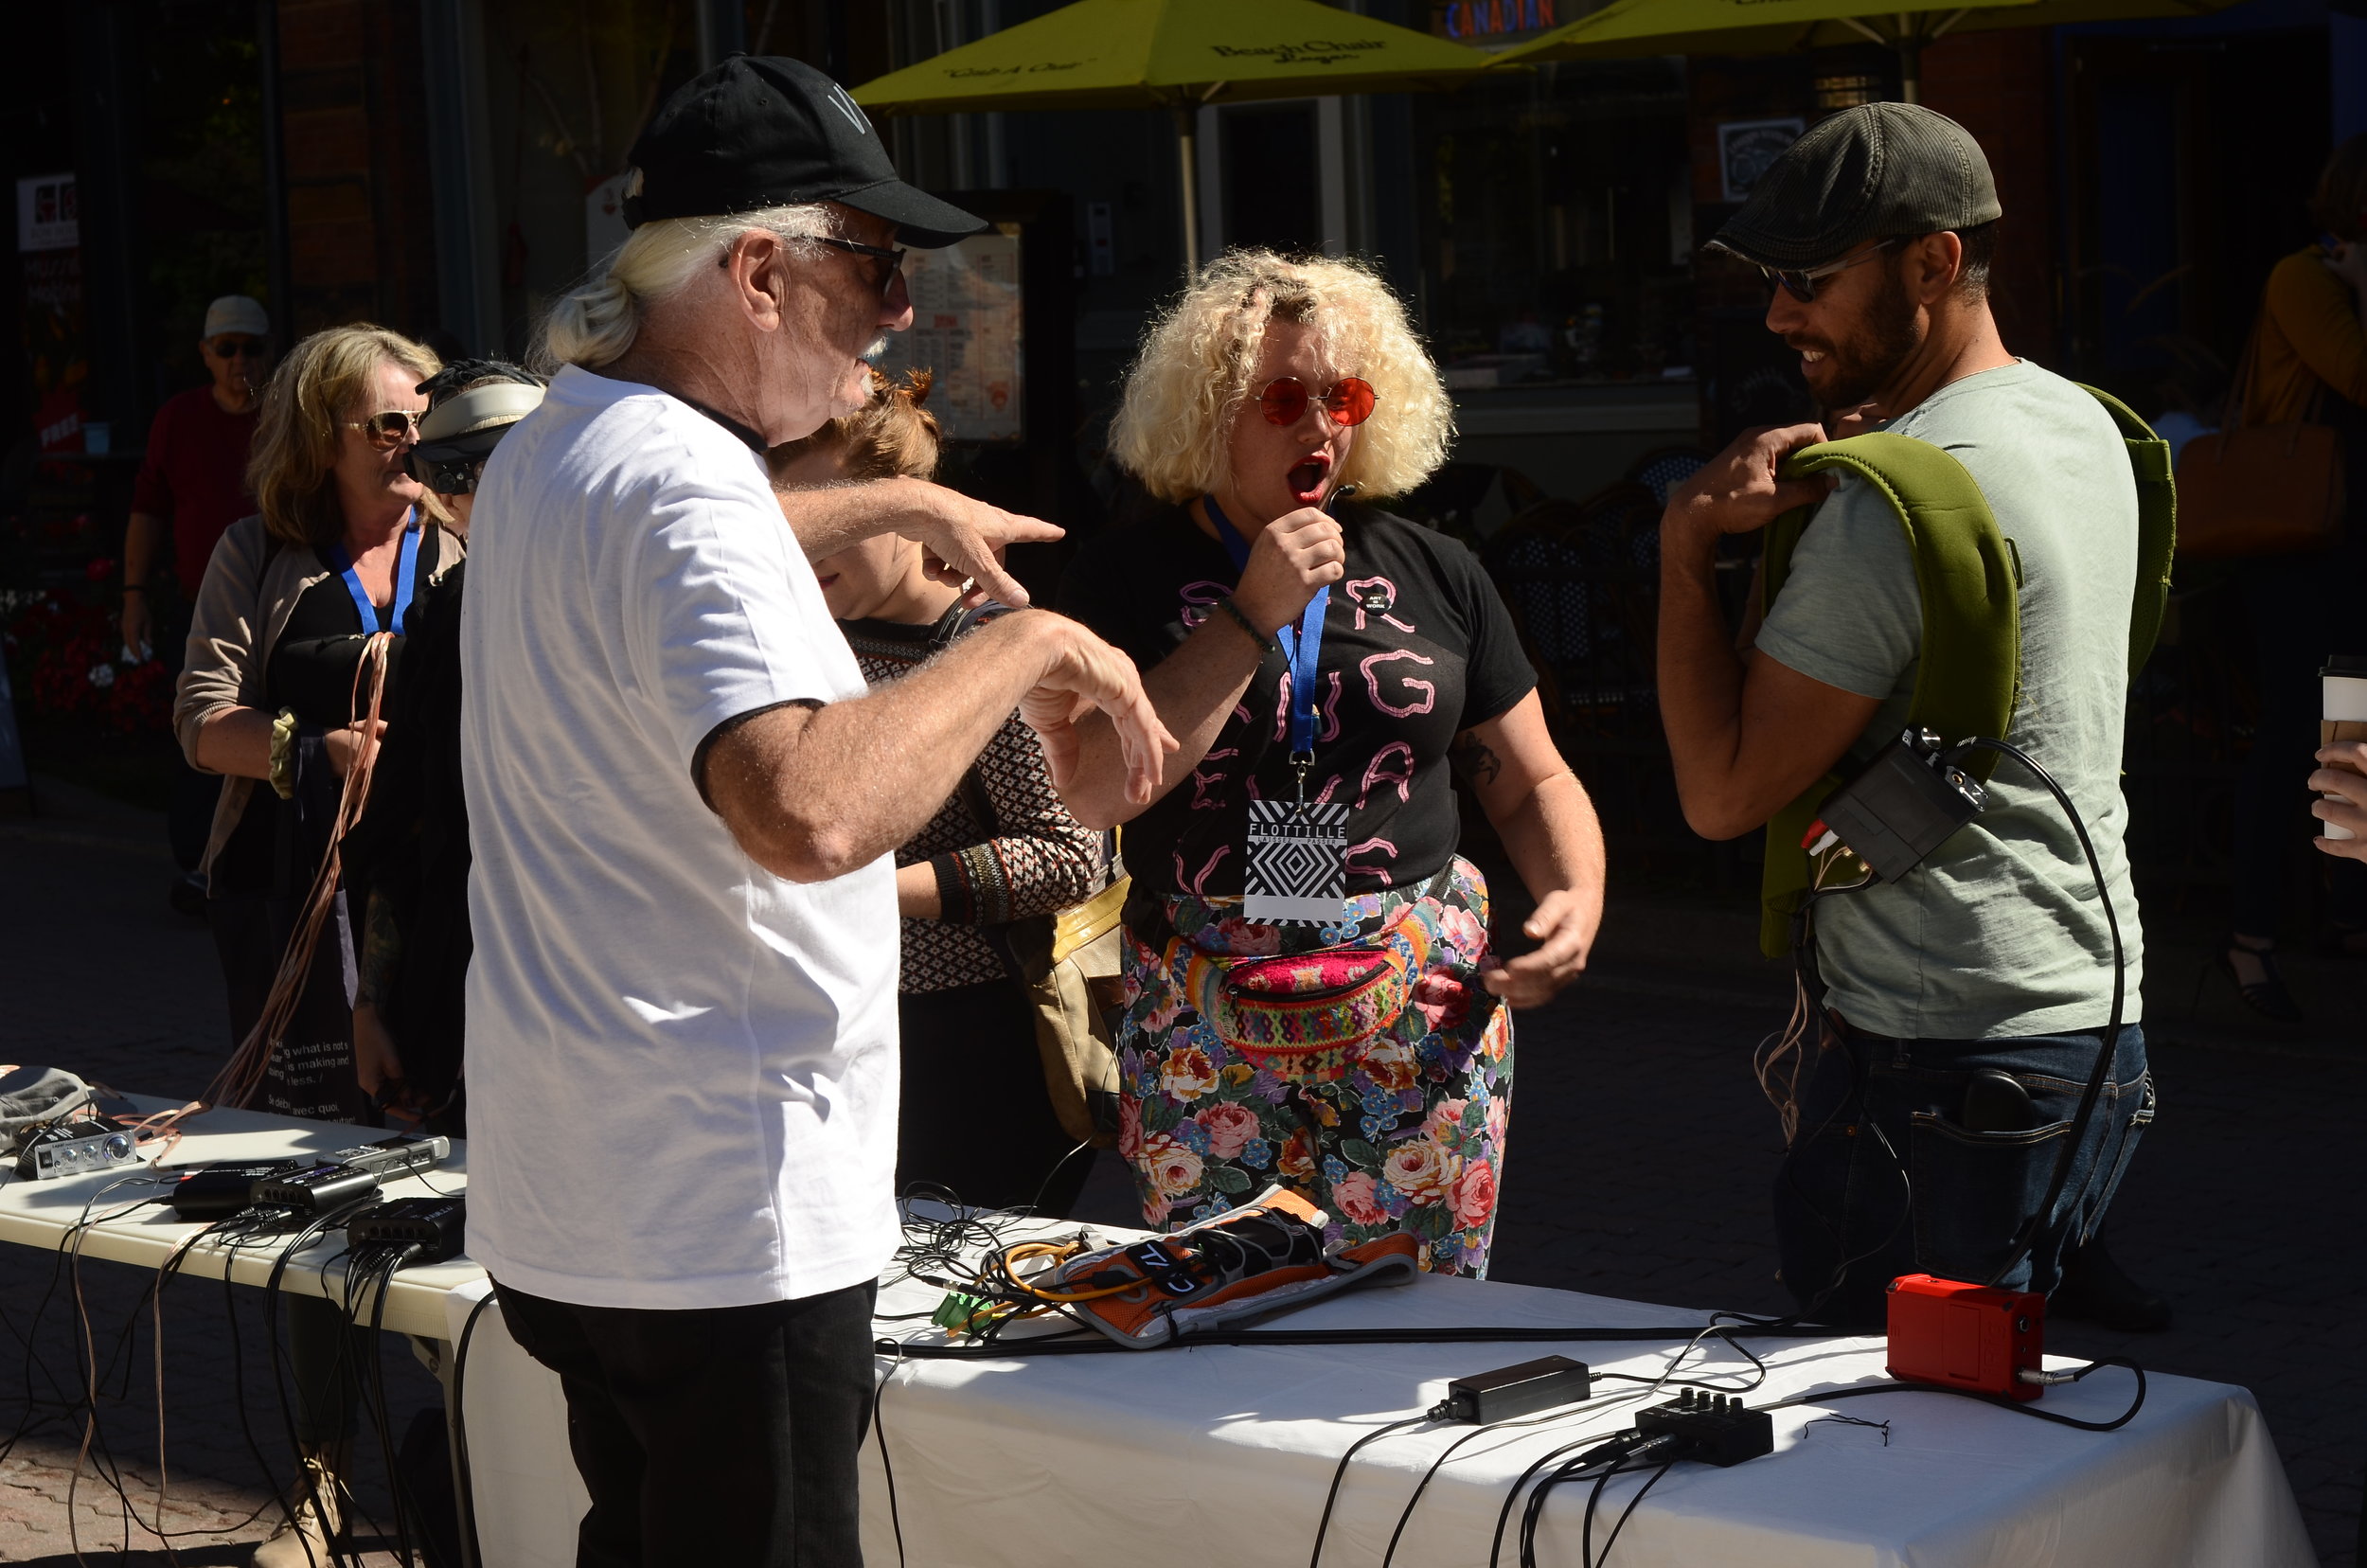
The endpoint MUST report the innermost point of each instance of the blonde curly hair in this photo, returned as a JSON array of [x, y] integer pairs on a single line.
[[1192, 377]]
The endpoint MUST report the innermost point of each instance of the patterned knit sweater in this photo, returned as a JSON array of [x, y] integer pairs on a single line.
[[1036, 859]]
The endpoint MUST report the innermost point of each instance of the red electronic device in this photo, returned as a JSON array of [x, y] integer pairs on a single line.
[[1973, 1337]]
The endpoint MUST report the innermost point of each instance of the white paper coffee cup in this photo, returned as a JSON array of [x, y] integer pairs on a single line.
[[2344, 714]]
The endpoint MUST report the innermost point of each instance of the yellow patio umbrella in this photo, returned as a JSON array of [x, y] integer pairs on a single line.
[[1631, 28], [1176, 55]]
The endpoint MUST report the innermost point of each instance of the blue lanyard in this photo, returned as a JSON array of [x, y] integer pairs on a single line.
[[406, 574], [1301, 645]]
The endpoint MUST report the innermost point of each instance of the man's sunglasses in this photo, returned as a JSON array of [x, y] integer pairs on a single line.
[[239, 347], [895, 258], [1800, 282], [1350, 401], [388, 428]]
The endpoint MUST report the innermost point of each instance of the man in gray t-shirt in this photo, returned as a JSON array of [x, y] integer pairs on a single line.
[[1967, 1000]]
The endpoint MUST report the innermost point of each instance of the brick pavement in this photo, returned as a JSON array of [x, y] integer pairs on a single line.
[[1639, 1167]]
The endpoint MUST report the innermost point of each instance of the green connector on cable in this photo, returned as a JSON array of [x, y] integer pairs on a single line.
[[959, 1313]]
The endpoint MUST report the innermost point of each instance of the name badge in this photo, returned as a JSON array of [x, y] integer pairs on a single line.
[[1298, 863]]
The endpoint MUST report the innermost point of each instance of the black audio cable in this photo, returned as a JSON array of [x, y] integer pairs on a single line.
[[1852, 1391], [1091, 1344], [2038, 1221], [265, 1223], [1340, 1471], [1588, 1539], [1405, 1517], [319, 1226], [887, 1469], [378, 1271], [460, 1430], [1599, 1451]]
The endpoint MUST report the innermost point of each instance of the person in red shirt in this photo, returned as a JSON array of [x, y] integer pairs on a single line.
[[193, 486]]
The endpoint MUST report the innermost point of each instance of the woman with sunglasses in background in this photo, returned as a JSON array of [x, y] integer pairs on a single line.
[[343, 543], [1312, 998]]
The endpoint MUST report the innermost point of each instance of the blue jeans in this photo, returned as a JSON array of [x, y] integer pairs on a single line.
[[1883, 1179]]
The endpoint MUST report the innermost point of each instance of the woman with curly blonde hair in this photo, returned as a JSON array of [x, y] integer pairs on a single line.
[[1311, 997]]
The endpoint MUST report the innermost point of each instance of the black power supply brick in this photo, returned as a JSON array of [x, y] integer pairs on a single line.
[[313, 1189], [435, 1225], [1715, 1428], [1522, 1390], [216, 1192]]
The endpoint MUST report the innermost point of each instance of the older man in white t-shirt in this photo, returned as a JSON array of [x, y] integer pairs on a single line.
[[682, 1057]]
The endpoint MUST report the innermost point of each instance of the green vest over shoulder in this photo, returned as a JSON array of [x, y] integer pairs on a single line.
[[1968, 681]]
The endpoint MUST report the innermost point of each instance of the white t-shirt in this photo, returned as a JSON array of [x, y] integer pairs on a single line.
[[682, 1069]]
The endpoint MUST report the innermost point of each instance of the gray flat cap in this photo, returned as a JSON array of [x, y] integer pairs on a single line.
[[1870, 173]]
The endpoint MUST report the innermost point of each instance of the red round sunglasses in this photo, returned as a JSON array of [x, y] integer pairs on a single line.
[[1348, 401]]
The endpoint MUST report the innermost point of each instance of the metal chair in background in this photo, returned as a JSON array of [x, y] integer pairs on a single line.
[[1453, 499], [1582, 582], [1662, 469]]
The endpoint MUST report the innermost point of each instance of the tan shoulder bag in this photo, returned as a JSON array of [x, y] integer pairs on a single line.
[[2262, 490]]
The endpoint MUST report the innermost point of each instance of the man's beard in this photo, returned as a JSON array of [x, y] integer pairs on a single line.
[[1872, 354]]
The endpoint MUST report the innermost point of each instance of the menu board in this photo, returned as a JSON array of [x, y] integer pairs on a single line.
[[968, 329]]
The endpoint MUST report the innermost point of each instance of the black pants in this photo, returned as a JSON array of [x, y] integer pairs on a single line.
[[975, 1116], [723, 1435]]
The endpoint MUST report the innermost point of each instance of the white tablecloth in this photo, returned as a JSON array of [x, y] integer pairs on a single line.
[[1220, 1456], [40, 1214]]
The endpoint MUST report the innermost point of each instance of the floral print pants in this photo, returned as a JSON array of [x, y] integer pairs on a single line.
[[1404, 1132]]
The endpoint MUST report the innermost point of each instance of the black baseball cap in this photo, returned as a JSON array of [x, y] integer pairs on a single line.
[[759, 130], [1873, 171]]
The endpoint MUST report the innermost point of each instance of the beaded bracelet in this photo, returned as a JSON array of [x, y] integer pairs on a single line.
[[1265, 643]]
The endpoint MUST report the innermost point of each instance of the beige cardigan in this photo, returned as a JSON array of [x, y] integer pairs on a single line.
[[249, 592]]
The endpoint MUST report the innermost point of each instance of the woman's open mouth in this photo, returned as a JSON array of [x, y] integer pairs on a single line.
[[1307, 477]]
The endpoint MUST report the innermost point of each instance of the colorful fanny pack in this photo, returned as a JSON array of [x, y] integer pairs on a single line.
[[1311, 1012], [1301, 1004]]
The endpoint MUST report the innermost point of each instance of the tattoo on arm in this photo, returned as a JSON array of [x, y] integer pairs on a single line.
[[1473, 758]]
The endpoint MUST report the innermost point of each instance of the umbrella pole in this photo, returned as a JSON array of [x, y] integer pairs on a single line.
[[1187, 145], [1910, 68]]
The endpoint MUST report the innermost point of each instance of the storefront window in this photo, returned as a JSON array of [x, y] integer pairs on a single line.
[[1556, 222]]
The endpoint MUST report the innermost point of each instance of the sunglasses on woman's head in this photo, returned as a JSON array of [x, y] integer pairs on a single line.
[[1800, 282], [1350, 401], [389, 428]]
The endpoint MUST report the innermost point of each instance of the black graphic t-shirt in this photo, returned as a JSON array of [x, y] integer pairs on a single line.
[[1417, 647]]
